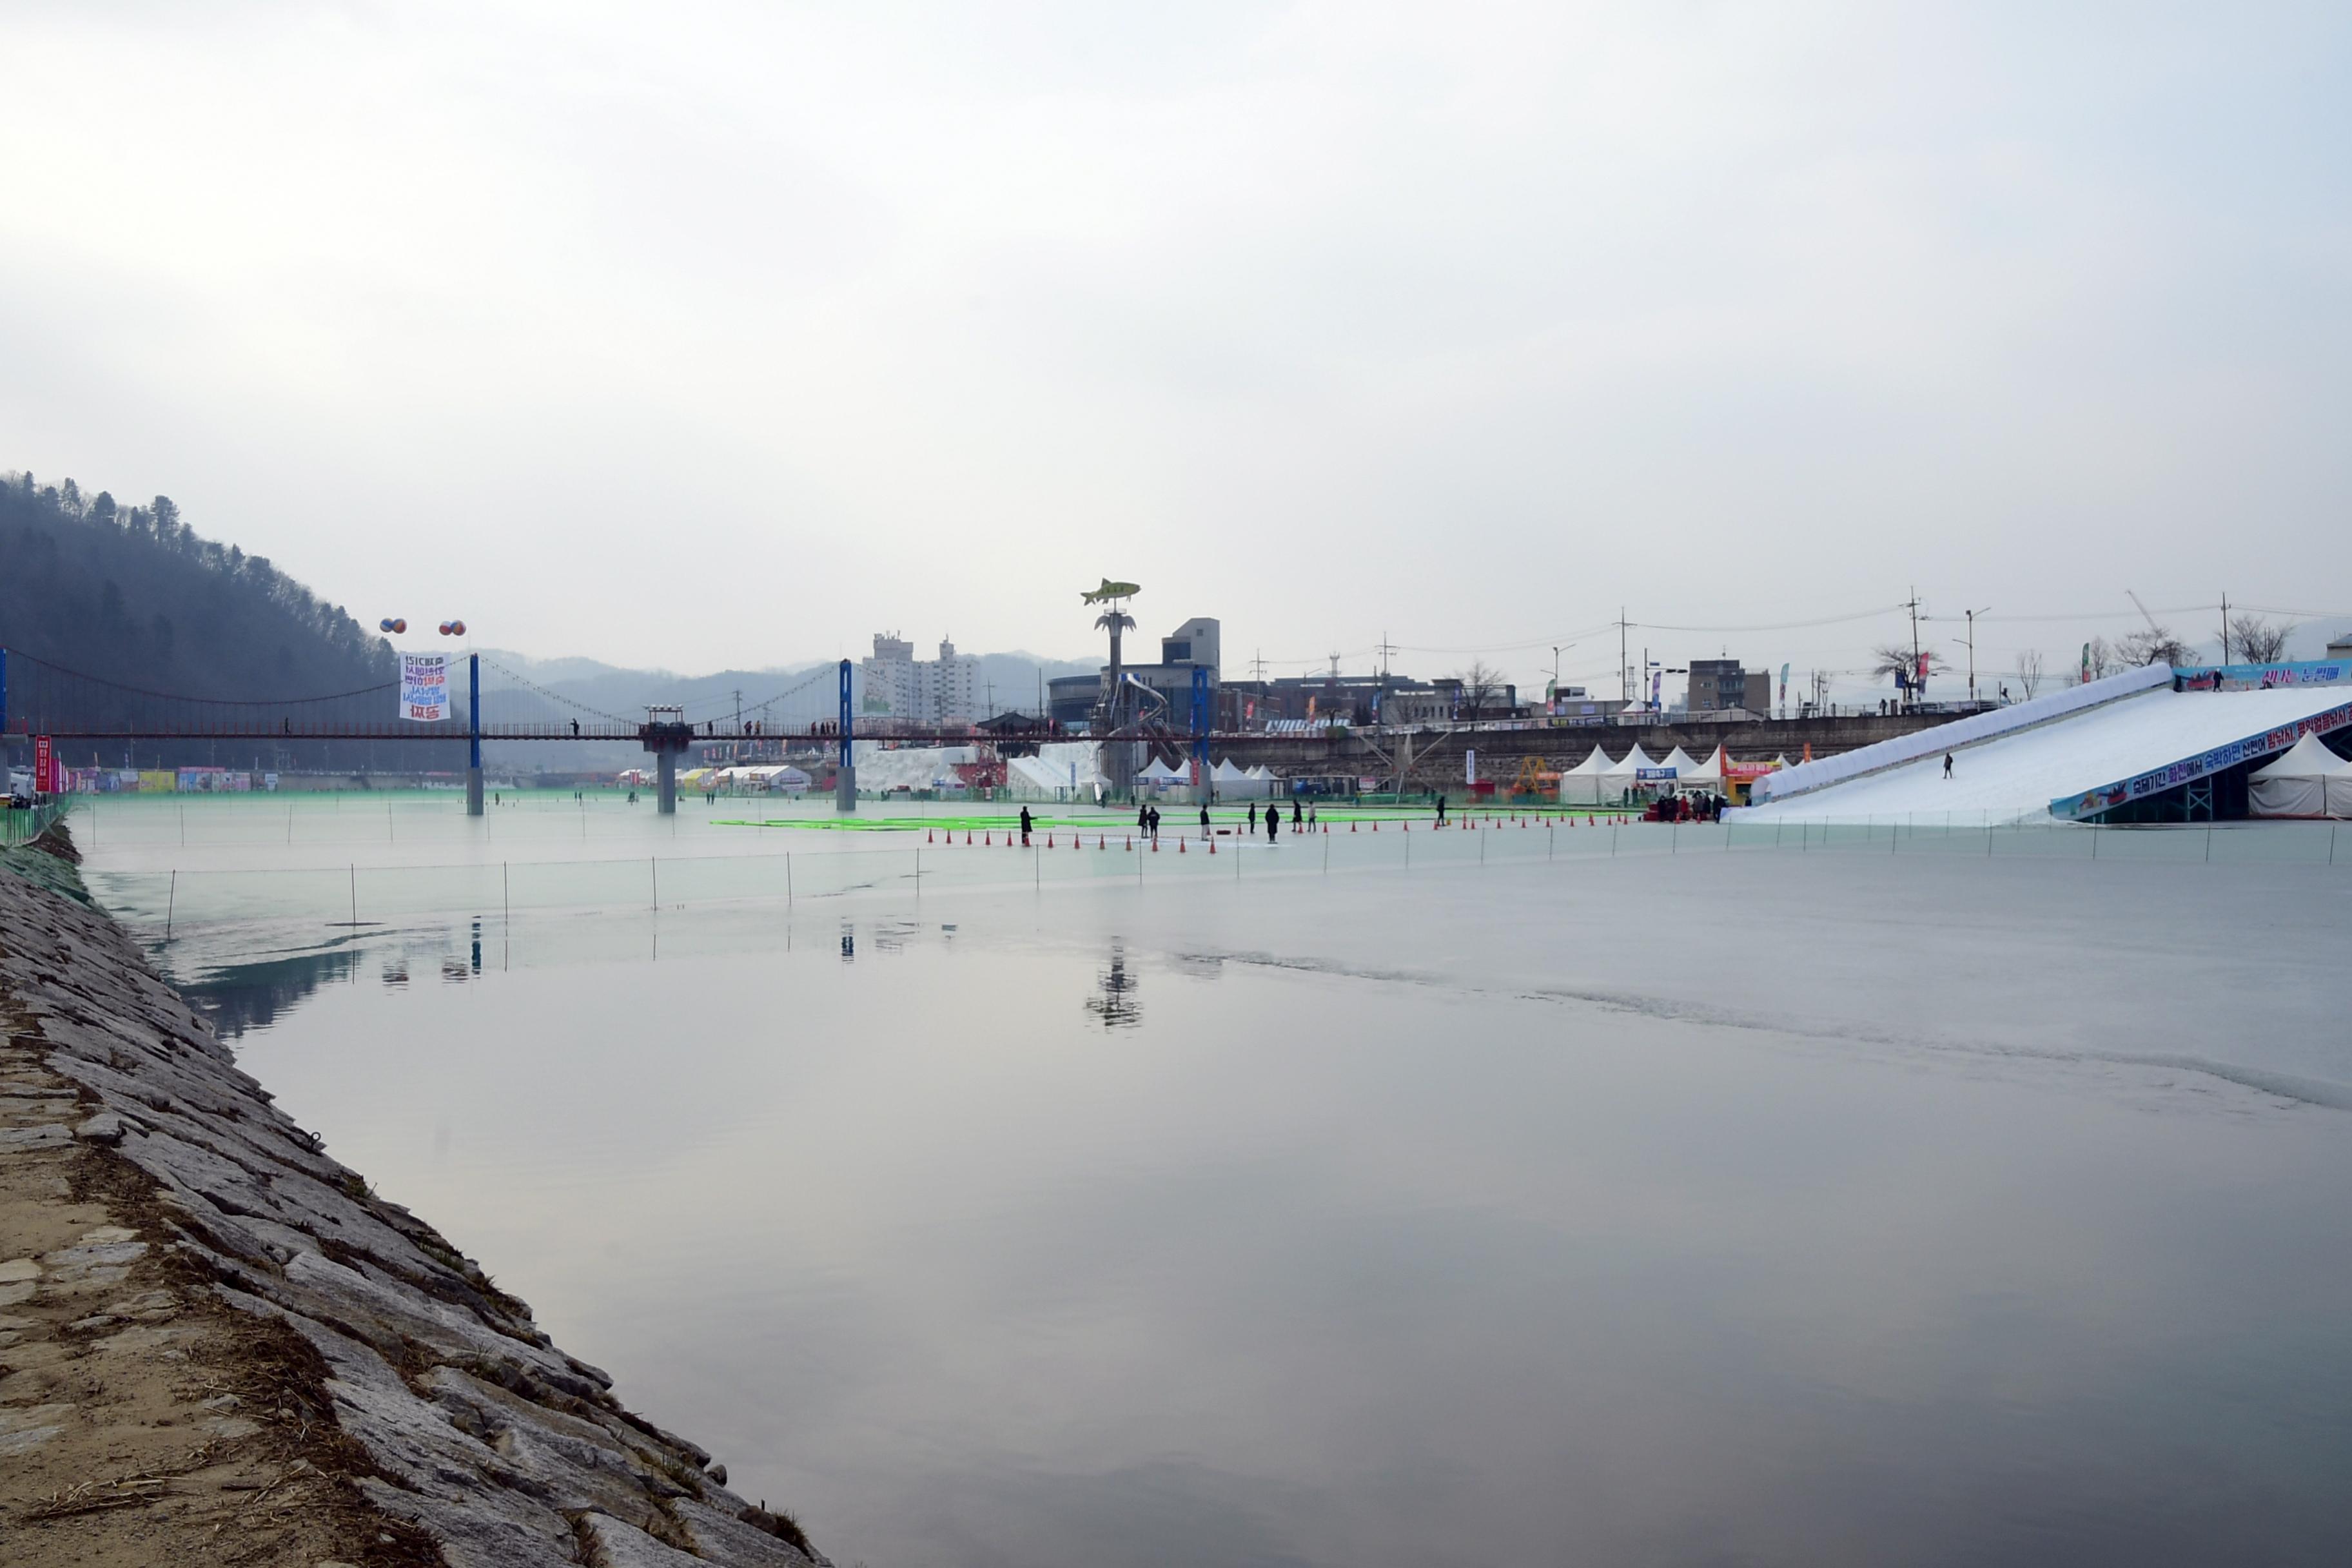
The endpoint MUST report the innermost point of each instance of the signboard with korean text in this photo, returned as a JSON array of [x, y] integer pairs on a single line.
[[425, 687]]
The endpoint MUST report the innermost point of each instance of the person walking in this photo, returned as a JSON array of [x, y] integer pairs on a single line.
[[1440, 809], [1948, 767], [1252, 819], [1143, 821], [1310, 820], [1206, 832], [1025, 825], [1273, 823], [1298, 813]]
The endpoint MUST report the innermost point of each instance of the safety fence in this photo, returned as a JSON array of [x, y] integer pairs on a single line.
[[165, 902], [23, 824]]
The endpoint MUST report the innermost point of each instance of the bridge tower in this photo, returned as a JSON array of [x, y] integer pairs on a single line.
[[665, 733], [845, 783]]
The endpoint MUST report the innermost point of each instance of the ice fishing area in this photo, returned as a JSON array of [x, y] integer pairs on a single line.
[[1497, 1193], [2150, 740]]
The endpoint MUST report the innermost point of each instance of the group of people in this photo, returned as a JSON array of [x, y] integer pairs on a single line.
[[1147, 821], [1701, 806]]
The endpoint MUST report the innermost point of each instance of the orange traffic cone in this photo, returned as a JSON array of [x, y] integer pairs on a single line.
[[1098, 842], [926, 836], [1179, 847], [1351, 827], [1212, 847], [1155, 847], [988, 838], [1049, 841]]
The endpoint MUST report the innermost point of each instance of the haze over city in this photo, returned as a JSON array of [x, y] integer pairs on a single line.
[[727, 336]]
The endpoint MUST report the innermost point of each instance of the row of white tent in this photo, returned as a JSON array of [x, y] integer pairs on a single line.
[[1597, 780], [2308, 780], [1231, 783]]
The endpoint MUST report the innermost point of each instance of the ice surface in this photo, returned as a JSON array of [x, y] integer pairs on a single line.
[[2017, 775]]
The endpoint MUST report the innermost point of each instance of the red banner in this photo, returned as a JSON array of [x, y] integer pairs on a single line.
[[44, 765]]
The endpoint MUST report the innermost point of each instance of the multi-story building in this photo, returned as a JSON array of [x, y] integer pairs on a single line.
[[1717, 685], [941, 693]]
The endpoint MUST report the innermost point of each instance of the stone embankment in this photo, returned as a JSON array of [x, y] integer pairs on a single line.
[[218, 1344]]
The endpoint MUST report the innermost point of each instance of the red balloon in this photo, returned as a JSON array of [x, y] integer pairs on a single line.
[[457, 628], [445, 628], [399, 625]]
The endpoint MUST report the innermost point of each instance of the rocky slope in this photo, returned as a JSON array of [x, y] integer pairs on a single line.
[[445, 1419]]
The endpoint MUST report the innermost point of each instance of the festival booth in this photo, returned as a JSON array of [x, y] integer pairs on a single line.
[[2308, 780], [1619, 782], [1710, 776], [1581, 785], [1232, 783]]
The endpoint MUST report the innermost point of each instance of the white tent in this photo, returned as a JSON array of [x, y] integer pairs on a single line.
[[2298, 784], [1706, 775], [2339, 791], [1159, 772], [1616, 780], [1688, 769], [1232, 783], [1581, 785]]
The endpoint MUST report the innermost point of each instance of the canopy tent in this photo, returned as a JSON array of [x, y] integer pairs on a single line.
[[1062, 770], [1618, 780], [1232, 783], [1706, 775], [1581, 785], [2301, 783], [1159, 772], [1688, 771]]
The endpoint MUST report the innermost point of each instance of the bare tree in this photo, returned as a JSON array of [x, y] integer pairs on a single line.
[[2153, 645], [1889, 660], [2099, 660], [2028, 670], [1482, 688], [2257, 641]]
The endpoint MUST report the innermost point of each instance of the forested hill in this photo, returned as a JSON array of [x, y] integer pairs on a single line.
[[131, 595]]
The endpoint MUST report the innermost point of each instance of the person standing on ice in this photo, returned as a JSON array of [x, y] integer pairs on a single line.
[[1024, 824], [1252, 819], [1441, 810], [1272, 822], [1947, 766], [1297, 814], [1204, 820]]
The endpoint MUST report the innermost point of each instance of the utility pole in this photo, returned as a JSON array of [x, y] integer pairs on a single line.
[[1913, 606], [2225, 626], [1972, 615], [1624, 692]]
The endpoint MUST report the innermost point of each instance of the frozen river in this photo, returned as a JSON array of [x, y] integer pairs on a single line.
[[1519, 1205]]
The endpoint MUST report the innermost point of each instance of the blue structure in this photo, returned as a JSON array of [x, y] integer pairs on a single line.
[[473, 734], [844, 786], [1201, 724]]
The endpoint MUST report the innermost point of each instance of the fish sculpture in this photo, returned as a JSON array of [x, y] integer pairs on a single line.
[[1109, 591]]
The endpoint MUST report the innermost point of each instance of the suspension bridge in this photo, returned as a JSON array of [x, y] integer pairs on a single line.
[[46, 702]]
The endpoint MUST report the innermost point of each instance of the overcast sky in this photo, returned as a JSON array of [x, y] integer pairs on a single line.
[[708, 335]]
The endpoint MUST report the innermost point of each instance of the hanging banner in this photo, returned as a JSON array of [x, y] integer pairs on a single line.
[[425, 686], [44, 765], [1470, 766]]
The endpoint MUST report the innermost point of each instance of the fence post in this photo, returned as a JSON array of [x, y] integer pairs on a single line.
[[171, 902]]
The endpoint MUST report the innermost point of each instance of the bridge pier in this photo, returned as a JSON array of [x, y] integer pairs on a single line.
[[474, 734], [665, 735]]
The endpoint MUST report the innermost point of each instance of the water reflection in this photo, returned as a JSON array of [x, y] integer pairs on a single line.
[[1115, 1001], [253, 996]]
